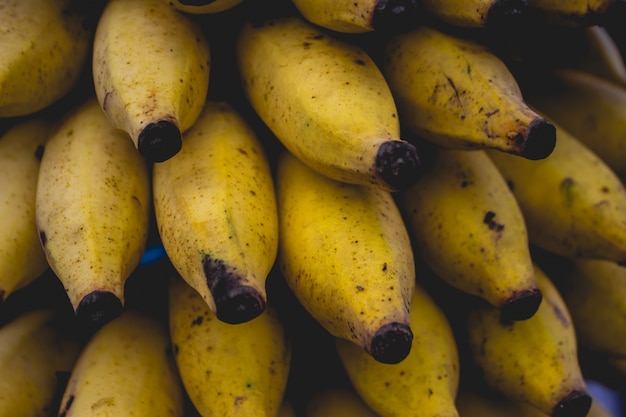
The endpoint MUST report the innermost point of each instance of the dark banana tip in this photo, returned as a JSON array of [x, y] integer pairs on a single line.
[[540, 141], [159, 141], [392, 343], [502, 13], [239, 304], [394, 15], [98, 308], [521, 306], [398, 164], [196, 2], [575, 404]]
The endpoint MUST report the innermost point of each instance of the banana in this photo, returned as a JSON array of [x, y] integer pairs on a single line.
[[92, 209], [361, 16], [535, 360], [22, 259], [476, 13], [151, 69], [33, 351], [467, 227], [228, 369], [591, 108], [337, 402], [345, 253], [215, 208], [326, 101], [425, 383], [45, 45], [126, 368], [203, 6], [573, 203], [603, 56], [570, 12], [457, 93]]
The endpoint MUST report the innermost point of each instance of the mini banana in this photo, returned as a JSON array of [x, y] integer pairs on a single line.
[[457, 93], [33, 350], [349, 16], [326, 101], [126, 368], [345, 253], [22, 259], [92, 209], [45, 45], [476, 13], [215, 207], [468, 228], [337, 402], [203, 6], [603, 56], [535, 360], [151, 69], [573, 203], [228, 369]]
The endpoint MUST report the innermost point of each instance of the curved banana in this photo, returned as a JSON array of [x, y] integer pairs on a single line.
[[570, 12], [22, 259], [215, 207], [203, 6], [476, 13], [326, 101], [349, 16], [573, 203], [151, 67], [92, 210], [45, 45], [468, 228], [337, 402], [534, 361], [603, 55], [33, 350], [457, 93], [126, 368], [228, 369], [345, 253], [425, 383]]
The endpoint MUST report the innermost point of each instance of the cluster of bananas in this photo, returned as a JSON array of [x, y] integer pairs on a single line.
[[366, 208]]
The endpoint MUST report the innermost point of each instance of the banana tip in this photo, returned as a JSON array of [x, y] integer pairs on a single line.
[[392, 343], [540, 141], [239, 305], [575, 404], [504, 12], [98, 308], [159, 141], [523, 305], [394, 15], [398, 164]]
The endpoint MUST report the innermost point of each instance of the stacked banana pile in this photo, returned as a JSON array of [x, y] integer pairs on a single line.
[[365, 208]]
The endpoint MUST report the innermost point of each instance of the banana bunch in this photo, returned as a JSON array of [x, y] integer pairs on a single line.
[[362, 208]]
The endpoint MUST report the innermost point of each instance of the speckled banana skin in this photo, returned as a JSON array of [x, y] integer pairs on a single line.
[[92, 208], [345, 252], [125, 369], [22, 259], [215, 208], [228, 370], [44, 49], [425, 383]]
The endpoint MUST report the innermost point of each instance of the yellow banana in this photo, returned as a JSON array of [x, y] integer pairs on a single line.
[[476, 13], [215, 208], [92, 210], [591, 108], [45, 45], [203, 6], [33, 351], [425, 383], [361, 16], [345, 253], [228, 369], [457, 93], [468, 228], [126, 368], [22, 259], [151, 67], [337, 402], [535, 360], [570, 12], [326, 101], [573, 203]]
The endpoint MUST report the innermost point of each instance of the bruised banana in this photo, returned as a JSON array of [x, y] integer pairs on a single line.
[[425, 383], [337, 402], [326, 101], [92, 211], [151, 67], [227, 369], [574, 205], [45, 45], [468, 228], [126, 368], [203, 6], [215, 209], [345, 253], [535, 360], [22, 259], [34, 350], [457, 93], [476, 13]]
